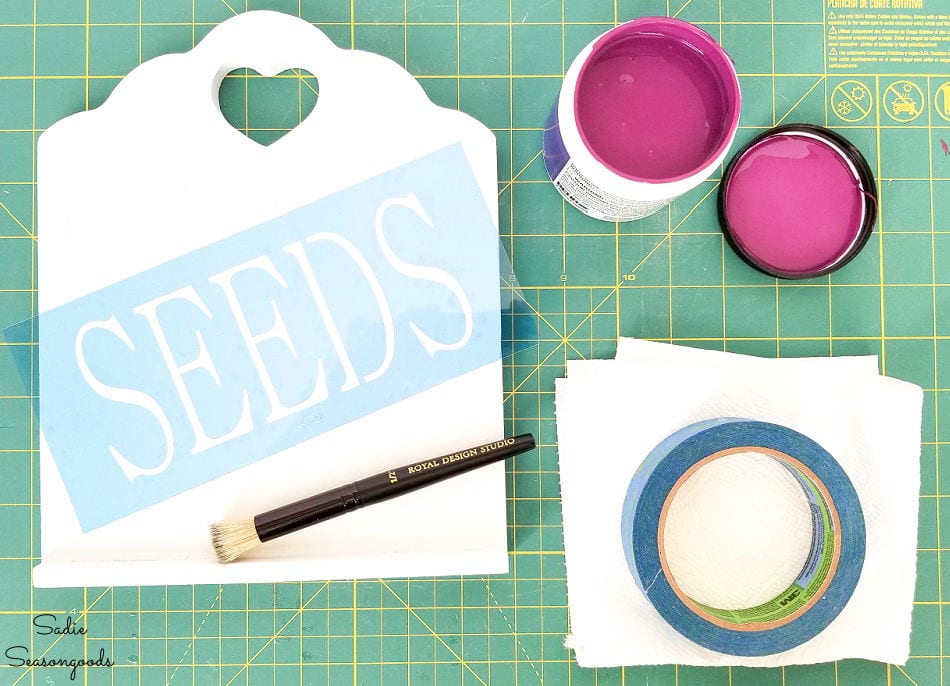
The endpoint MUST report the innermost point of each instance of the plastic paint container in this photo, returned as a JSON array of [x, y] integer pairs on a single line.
[[647, 111], [798, 201]]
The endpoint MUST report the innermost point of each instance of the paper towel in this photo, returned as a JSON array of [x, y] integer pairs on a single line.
[[610, 414]]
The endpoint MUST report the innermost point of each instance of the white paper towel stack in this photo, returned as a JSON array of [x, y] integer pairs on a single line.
[[612, 413]]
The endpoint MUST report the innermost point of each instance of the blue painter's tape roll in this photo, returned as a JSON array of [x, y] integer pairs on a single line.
[[831, 570]]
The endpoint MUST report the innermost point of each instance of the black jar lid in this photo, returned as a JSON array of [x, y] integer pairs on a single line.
[[798, 201]]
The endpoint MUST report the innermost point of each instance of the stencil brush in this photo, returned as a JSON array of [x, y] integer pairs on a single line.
[[233, 539]]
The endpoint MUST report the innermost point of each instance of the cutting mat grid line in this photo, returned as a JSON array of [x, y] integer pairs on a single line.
[[669, 277]]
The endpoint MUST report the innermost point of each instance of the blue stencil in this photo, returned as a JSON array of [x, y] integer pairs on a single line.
[[282, 332]]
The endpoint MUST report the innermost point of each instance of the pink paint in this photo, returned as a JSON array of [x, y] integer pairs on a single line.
[[795, 204], [656, 100]]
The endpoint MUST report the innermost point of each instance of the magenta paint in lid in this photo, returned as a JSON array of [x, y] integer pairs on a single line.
[[798, 201], [647, 111]]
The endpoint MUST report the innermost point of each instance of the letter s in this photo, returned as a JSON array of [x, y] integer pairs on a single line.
[[128, 396], [40, 626], [439, 276], [22, 661]]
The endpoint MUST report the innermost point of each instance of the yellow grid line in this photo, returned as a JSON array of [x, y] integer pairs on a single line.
[[12, 216], [521, 171], [906, 675], [434, 633], [184, 24], [685, 5], [230, 9], [355, 642], [33, 275], [936, 383], [510, 625], [273, 638], [423, 77], [194, 636], [798, 102]]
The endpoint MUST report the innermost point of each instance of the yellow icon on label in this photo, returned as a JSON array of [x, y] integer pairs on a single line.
[[903, 101], [942, 100], [851, 101]]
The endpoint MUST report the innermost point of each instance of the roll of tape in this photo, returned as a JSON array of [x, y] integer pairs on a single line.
[[832, 567]]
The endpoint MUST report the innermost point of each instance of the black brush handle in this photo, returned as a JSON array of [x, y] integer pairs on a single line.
[[374, 489]]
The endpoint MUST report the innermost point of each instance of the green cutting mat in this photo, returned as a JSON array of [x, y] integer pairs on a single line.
[[668, 277]]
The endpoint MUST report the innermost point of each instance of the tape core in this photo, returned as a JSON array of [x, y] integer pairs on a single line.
[[816, 574]]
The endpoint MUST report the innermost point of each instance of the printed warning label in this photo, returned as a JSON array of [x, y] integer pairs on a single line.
[[589, 198], [886, 36]]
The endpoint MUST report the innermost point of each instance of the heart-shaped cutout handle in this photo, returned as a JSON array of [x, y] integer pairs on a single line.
[[265, 109]]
